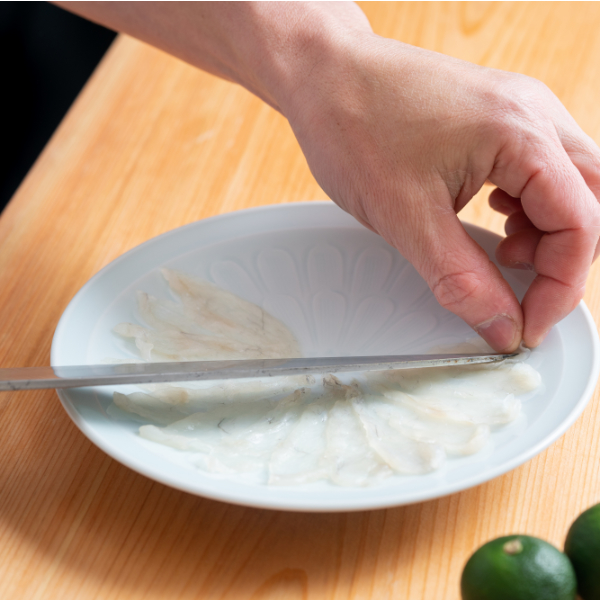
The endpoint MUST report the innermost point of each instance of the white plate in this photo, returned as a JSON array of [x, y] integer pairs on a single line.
[[342, 290]]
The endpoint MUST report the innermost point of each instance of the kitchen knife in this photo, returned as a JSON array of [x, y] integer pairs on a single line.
[[28, 378]]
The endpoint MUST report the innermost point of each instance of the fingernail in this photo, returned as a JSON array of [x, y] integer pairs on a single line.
[[536, 341], [499, 332], [523, 266]]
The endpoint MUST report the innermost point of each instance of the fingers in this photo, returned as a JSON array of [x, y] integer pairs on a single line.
[[556, 233], [583, 152], [517, 251], [548, 296], [546, 302], [585, 155], [517, 221], [466, 282], [501, 202], [460, 274]]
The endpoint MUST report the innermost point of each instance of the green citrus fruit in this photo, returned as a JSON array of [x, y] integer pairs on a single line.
[[518, 567], [583, 548]]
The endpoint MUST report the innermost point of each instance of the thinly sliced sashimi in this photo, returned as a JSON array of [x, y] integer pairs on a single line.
[[208, 324], [402, 453], [239, 391], [166, 315], [483, 394], [467, 381], [174, 440], [318, 448], [494, 410], [228, 315], [297, 459], [402, 422], [233, 439], [173, 345], [164, 403], [456, 437], [149, 407], [348, 457], [138, 334], [172, 318]]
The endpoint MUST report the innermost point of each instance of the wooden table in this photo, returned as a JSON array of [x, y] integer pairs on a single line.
[[152, 144]]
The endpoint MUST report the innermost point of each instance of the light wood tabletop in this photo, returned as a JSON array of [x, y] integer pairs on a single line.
[[152, 144]]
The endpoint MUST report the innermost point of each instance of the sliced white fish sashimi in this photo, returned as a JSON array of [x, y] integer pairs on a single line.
[[298, 430], [406, 415], [208, 324], [165, 403], [233, 440], [484, 394], [402, 453], [297, 459], [349, 459]]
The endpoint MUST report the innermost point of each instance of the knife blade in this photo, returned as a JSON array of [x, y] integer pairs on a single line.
[[28, 378]]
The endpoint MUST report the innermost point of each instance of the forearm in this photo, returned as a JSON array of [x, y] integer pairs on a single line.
[[267, 47]]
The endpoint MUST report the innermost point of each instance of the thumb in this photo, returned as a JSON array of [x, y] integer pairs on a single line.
[[461, 276]]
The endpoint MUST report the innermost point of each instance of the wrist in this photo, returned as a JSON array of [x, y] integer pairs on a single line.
[[291, 50]]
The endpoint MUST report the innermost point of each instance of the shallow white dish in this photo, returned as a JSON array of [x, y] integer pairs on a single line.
[[342, 290]]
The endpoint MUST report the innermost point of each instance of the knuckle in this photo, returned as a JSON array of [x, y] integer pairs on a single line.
[[583, 149], [451, 290], [518, 102], [592, 153]]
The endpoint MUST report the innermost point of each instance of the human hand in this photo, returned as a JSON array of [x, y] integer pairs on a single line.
[[403, 138]]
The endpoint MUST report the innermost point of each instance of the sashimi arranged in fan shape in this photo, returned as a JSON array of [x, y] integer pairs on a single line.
[[298, 430], [207, 324]]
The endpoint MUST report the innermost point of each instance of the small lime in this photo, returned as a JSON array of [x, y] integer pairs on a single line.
[[583, 548], [518, 567]]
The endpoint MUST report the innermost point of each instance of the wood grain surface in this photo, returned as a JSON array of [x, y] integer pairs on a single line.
[[152, 144]]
